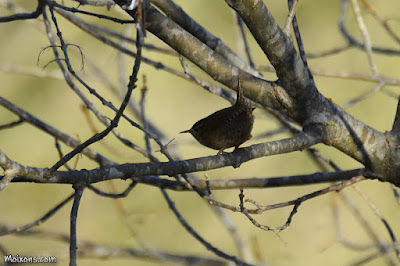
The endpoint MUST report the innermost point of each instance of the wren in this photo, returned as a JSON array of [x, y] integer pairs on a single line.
[[226, 128]]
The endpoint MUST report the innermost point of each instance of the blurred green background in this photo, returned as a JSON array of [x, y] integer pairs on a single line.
[[175, 104]]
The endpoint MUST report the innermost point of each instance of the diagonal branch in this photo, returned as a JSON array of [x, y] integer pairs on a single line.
[[119, 113], [277, 46], [353, 41], [177, 14], [6, 230], [68, 140], [215, 65], [190, 229], [22, 16]]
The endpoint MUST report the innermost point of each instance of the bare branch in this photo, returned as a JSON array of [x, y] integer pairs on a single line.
[[353, 41], [378, 213], [381, 20], [364, 96], [114, 122], [208, 245], [23, 16], [74, 216], [39, 221], [277, 46], [367, 39], [12, 124], [68, 140], [90, 249], [112, 195], [179, 16], [123, 171], [218, 68], [370, 230], [343, 75], [244, 38], [74, 10]]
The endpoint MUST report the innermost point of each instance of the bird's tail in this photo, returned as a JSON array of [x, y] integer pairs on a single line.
[[240, 98]]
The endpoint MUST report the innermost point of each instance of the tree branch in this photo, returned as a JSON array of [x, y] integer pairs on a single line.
[[353, 41], [178, 15], [278, 47], [6, 231], [124, 171], [68, 140], [210, 247], [22, 16], [219, 68], [74, 216]]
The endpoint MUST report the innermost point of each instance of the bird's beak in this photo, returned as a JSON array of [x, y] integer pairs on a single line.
[[186, 131]]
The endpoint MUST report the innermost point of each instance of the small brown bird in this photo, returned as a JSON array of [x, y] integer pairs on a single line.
[[226, 128]]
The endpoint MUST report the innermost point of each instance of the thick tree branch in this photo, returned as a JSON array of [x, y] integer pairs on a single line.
[[341, 130], [234, 183], [124, 171], [176, 13], [278, 47], [219, 68], [294, 95]]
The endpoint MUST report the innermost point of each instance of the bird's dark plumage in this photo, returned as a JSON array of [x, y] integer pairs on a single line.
[[226, 128]]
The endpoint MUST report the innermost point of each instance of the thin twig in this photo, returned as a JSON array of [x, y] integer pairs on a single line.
[[74, 216], [364, 96], [353, 41], [343, 75], [12, 124], [378, 213], [143, 117], [340, 236], [290, 17], [91, 249], [38, 221], [41, 125], [74, 10], [396, 194], [367, 39], [23, 16], [369, 229], [60, 153], [329, 52], [240, 24], [381, 20], [113, 195], [234, 232], [89, 29], [105, 102], [114, 122], [208, 245], [296, 204]]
